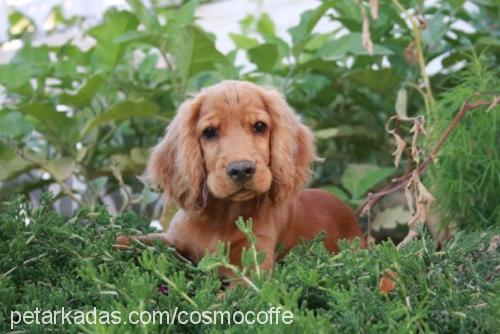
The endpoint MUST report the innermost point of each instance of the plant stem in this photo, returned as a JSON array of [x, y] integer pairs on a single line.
[[176, 288], [420, 54], [170, 67]]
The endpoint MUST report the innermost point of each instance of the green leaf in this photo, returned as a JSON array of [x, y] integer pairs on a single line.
[[14, 125], [139, 156], [265, 56], [358, 179], [337, 192], [12, 166], [246, 23], [121, 111], [308, 20], [185, 14], [317, 41], [283, 47], [145, 16], [56, 125], [243, 42], [33, 57], [194, 52], [124, 163], [345, 131], [83, 96], [148, 66], [69, 57], [312, 84], [61, 168], [121, 161], [14, 76], [348, 14], [350, 44], [137, 37], [265, 26], [107, 53], [436, 29], [382, 81]]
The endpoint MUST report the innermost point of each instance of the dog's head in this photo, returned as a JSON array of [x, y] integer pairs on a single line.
[[234, 141]]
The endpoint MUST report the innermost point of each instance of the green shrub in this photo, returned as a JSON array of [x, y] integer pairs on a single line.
[[465, 177], [114, 100], [57, 261]]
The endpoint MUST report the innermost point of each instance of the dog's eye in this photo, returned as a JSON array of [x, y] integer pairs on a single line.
[[260, 127], [210, 133]]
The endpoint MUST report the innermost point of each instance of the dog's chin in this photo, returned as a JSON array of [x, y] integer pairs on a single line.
[[227, 190], [238, 195], [243, 195]]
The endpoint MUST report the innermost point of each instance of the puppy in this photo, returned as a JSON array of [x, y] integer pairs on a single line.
[[234, 150]]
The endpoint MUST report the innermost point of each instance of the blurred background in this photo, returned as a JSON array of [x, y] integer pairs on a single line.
[[87, 88]]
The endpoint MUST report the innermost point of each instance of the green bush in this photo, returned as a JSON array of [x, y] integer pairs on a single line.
[[57, 261], [90, 117], [465, 177]]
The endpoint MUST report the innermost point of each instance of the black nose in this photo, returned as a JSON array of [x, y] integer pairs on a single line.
[[241, 171]]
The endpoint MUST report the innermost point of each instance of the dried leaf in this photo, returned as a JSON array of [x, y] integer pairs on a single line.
[[423, 202], [410, 198], [424, 196], [411, 54], [387, 281], [400, 148], [374, 9], [422, 23], [367, 41], [416, 129], [409, 237]]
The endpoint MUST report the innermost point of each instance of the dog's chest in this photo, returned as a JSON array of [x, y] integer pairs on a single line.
[[195, 238]]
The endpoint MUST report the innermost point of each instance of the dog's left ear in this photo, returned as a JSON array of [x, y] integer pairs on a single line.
[[176, 163], [292, 148]]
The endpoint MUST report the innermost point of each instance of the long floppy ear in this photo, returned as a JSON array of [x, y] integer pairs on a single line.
[[292, 149], [176, 163]]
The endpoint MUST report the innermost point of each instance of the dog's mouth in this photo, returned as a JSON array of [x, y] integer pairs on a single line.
[[242, 194]]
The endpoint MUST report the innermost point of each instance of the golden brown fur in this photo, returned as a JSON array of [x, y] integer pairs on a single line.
[[236, 150]]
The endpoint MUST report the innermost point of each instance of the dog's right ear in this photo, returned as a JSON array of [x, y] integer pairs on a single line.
[[176, 163]]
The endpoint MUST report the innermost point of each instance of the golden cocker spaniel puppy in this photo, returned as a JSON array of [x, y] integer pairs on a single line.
[[238, 149]]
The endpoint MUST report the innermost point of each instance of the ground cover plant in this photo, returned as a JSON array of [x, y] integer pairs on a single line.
[[80, 123], [70, 262]]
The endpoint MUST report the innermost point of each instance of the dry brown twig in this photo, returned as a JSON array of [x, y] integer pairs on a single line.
[[418, 197]]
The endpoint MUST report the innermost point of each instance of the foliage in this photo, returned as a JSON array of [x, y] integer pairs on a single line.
[[88, 117], [466, 175], [57, 261], [84, 120]]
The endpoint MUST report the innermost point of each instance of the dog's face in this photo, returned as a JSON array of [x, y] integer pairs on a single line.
[[234, 141], [234, 130]]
